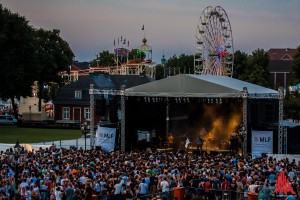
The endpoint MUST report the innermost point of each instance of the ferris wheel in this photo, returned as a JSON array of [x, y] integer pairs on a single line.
[[214, 44]]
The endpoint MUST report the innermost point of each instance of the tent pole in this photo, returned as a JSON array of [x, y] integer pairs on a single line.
[[92, 136], [280, 119], [245, 132], [123, 118]]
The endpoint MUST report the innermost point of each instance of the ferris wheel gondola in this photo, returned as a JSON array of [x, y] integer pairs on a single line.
[[214, 44]]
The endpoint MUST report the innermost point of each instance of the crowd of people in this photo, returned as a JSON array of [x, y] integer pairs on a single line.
[[70, 174]]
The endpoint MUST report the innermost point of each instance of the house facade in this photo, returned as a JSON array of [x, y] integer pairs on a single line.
[[72, 105], [280, 61]]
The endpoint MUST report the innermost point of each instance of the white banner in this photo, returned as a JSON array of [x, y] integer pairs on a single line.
[[262, 142], [105, 138]]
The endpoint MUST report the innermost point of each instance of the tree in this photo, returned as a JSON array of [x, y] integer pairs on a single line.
[[296, 66], [184, 63], [257, 68], [240, 65], [159, 72], [258, 76], [17, 71], [291, 106], [53, 55], [104, 58]]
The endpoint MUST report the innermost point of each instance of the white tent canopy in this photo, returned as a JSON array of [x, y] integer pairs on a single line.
[[190, 85]]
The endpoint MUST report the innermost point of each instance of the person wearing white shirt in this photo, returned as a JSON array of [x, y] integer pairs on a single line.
[[165, 187]]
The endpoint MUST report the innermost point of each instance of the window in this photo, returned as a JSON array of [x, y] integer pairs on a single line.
[[87, 113], [66, 113], [78, 94]]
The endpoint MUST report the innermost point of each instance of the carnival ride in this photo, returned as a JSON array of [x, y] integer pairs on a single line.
[[141, 63], [214, 43]]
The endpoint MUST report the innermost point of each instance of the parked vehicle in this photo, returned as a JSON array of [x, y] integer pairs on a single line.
[[7, 120]]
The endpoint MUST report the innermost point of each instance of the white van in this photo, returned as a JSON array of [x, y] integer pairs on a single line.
[[7, 120]]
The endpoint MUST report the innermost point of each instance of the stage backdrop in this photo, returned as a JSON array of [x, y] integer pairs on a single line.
[[105, 138], [262, 142]]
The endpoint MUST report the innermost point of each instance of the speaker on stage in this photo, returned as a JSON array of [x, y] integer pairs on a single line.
[[98, 148], [196, 152], [181, 151]]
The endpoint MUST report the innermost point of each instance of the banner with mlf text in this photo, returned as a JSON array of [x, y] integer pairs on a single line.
[[105, 138], [262, 142]]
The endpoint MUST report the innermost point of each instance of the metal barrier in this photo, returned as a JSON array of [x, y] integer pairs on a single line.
[[68, 144], [191, 193]]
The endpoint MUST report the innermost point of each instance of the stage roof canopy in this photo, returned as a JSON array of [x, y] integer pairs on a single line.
[[202, 86]]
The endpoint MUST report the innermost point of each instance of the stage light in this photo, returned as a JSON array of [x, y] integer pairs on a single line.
[[208, 100], [149, 100], [183, 100], [145, 98], [220, 101], [188, 100], [217, 101], [212, 100]]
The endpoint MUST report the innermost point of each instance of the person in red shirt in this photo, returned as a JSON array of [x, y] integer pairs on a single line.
[[207, 187], [224, 188]]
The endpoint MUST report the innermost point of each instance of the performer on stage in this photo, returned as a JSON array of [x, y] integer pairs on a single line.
[[187, 143], [170, 140], [199, 143]]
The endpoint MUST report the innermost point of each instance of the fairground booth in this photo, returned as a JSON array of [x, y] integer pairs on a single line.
[[213, 107]]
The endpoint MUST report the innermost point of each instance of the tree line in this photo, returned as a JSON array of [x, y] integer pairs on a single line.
[[28, 54]]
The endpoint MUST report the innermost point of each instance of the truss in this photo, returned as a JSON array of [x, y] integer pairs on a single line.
[[92, 92]]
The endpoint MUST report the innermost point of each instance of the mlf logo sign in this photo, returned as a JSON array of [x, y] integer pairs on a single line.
[[262, 142], [105, 138], [262, 139], [265, 139], [106, 135]]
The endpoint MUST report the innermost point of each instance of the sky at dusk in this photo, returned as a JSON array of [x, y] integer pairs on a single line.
[[90, 26]]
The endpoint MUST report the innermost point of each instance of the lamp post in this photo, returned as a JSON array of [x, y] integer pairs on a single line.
[[17, 151], [30, 114], [85, 128]]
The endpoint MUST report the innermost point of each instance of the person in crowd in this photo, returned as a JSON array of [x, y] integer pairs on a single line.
[[61, 171]]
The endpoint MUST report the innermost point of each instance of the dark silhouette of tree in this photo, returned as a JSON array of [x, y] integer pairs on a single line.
[[17, 50], [257, 68], [240, 65], [296, 66], [182, 64], [53, 55]]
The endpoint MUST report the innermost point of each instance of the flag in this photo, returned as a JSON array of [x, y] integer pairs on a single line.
[[124, 41], [143, 27], [128, 43]]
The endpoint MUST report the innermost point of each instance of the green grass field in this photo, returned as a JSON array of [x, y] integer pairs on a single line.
[[11, 134]]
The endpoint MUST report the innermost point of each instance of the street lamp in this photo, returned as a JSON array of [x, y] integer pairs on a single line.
[[85, 128], [30, 114]]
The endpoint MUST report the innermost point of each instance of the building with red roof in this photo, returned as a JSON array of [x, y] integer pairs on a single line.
[[280, 61]]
